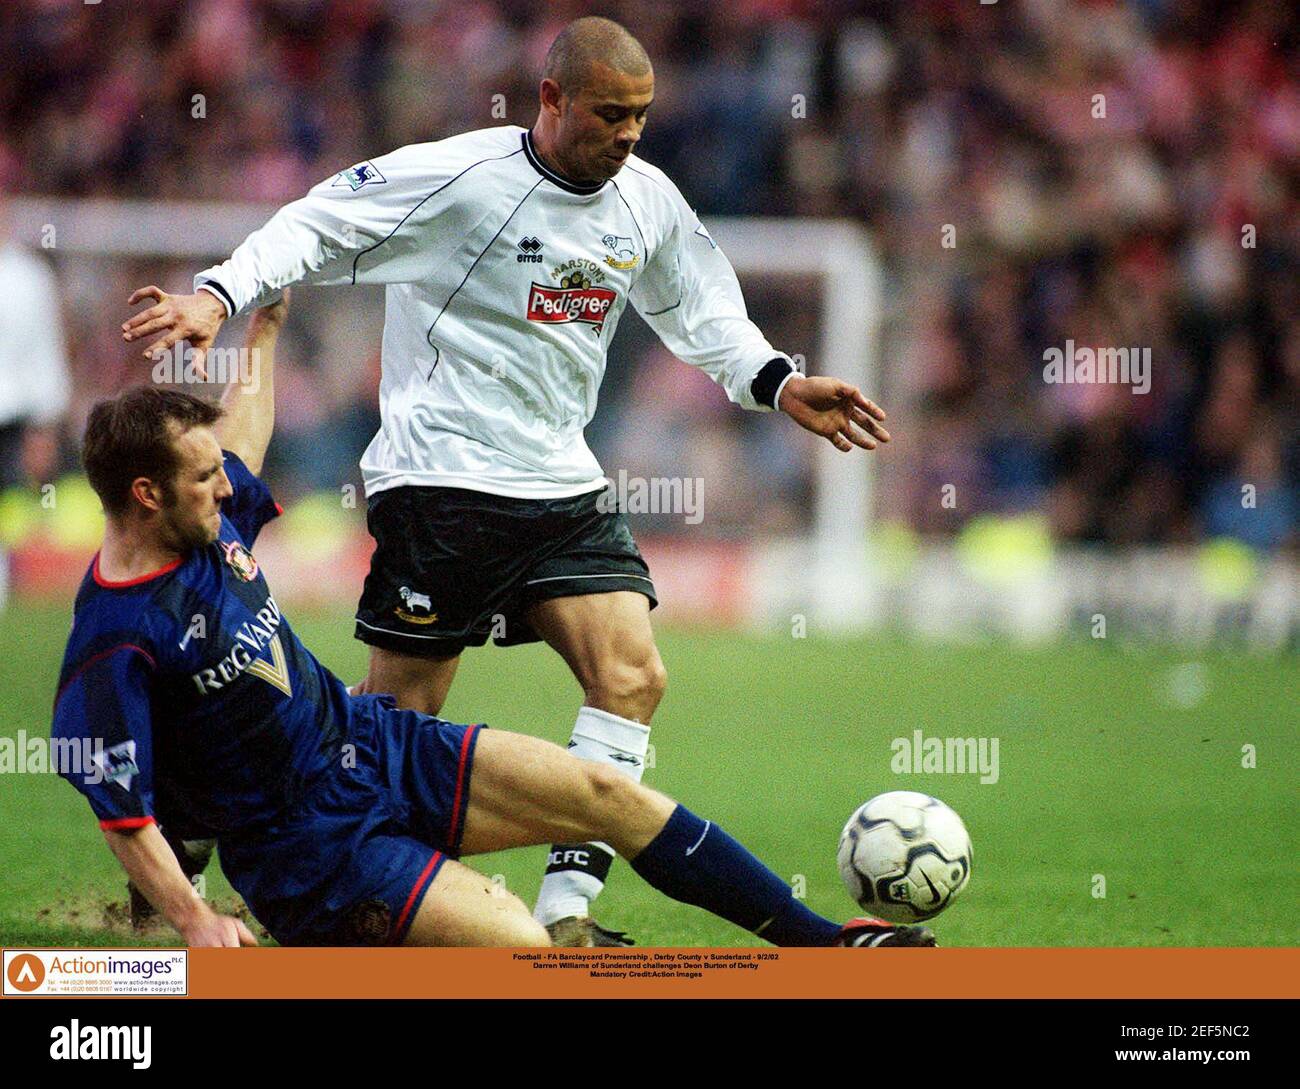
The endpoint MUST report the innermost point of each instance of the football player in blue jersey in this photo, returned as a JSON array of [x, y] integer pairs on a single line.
[[339, 818]]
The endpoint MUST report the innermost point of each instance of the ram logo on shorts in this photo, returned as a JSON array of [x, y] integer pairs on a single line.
[[419, 609]]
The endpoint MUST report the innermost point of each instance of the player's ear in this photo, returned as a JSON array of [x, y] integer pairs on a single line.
[[147, 493], [551, 96]]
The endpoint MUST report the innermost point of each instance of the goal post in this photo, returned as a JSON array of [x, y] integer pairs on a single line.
[[831, 572]]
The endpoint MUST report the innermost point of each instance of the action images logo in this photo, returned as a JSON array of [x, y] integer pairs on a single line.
[[38, 972], [558, 305]]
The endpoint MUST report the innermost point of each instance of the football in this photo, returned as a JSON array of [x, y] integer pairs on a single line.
[[905, 856]]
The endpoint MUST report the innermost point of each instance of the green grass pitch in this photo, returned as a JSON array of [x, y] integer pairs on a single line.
[[1108, 765]]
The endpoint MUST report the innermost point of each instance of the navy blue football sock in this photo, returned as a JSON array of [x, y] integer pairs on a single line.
[[696, 862]]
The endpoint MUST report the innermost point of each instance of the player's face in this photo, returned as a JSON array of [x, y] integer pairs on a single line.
[[191, 512], [601, 124]]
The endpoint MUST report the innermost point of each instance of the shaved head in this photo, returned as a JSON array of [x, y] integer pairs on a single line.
[[589, 41], [592, 102]]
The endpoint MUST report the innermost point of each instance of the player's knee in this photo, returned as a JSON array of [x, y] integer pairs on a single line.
[[620, 811], [656, 677], [610, 796], [419, 698], [604, 782], [631, 687], [412, 682], [411, 697]]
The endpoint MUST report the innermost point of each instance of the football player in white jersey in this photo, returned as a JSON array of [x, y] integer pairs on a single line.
[[508, 256]]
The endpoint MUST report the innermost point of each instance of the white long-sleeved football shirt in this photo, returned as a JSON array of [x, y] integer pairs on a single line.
[[505, 283]]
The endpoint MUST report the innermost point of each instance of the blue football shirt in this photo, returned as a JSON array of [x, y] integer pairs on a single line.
[[205, 711]]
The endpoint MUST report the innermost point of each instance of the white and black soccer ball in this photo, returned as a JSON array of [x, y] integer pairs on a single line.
[[905, 856]]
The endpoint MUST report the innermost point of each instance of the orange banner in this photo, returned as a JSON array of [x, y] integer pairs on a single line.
[[745, 973]]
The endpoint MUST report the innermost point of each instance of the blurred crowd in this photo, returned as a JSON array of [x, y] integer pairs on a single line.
[[1112, 174]]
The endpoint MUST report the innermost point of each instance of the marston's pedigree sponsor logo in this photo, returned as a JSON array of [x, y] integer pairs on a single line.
[[559, 305], [577, 298], [38, 972], [578, 272]]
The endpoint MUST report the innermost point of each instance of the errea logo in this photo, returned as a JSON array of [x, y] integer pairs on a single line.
[[530, 251]]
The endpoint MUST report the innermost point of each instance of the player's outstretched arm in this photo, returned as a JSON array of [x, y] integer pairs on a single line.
[[689, 295], [195, 318], [249, 401], [835, 410], [150, 863]]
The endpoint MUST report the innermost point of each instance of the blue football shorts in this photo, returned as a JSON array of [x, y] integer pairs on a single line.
[[350, 862]]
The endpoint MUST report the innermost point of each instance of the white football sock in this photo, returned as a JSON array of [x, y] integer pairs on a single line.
[[576, 872]]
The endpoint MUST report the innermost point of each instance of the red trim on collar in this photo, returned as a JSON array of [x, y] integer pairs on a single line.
[[124, 583]]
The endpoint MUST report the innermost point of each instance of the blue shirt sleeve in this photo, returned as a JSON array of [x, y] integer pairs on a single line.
[[251, 507], [103, 738]]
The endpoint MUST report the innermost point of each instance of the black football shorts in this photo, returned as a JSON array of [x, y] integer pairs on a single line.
[[453, 567]]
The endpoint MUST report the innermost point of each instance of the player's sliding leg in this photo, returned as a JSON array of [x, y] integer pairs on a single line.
[[417, 683], [462, 907], [607, 641], [524, 791]]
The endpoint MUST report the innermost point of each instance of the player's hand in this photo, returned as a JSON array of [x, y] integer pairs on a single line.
[[196, 318], [213, 930], [835, 410]]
